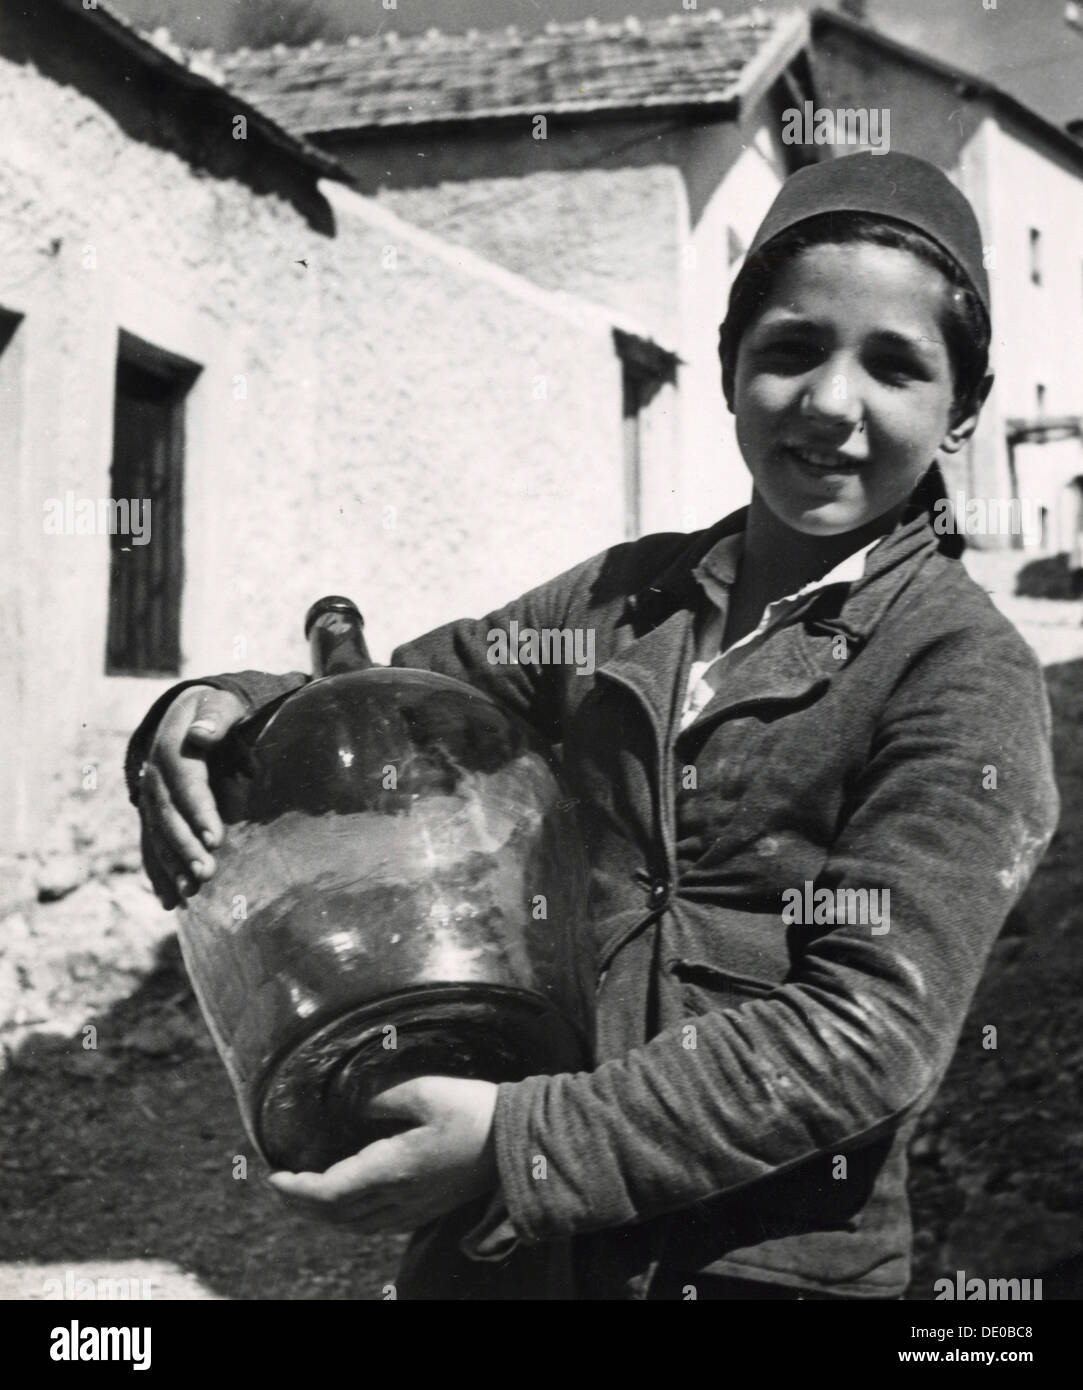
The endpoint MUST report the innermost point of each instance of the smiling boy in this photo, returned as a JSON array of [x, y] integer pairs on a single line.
[[809, 692]]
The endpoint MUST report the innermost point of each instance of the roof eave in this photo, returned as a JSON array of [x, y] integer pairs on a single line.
[[727, 108], [758, 76]]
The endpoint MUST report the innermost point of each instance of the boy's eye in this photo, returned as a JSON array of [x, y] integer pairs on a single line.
[[896, 369], [792, 353]]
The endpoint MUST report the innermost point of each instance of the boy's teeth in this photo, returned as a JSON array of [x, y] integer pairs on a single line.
[[819, 460]]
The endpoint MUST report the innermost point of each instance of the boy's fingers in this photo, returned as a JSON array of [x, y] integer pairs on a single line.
[[187, 785], [181, 880], [333, 1197], [363, 1175], [160, 879], [177, 807], [194, 724], [318, 1188], [175, 842]]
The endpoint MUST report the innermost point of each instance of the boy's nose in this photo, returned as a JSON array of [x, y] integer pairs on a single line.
[[830, 396]]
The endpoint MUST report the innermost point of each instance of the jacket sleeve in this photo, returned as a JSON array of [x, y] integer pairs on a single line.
[[483, 652], [953, 810], [465, 649]]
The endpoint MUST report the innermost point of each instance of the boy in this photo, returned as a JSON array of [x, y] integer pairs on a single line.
[[839, 687]]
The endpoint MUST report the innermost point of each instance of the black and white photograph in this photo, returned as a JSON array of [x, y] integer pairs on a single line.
[[543, 664]]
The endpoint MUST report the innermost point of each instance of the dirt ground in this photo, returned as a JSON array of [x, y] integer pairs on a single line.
[[119, 1148], [127, 1154]]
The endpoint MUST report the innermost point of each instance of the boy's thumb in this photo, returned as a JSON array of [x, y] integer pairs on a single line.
[[214, 720]]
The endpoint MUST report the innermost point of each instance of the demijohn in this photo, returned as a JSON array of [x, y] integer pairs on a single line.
[[400, 892]]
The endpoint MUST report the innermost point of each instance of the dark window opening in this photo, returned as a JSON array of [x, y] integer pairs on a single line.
[[9, 324], [1035, 256], [635, 398], [646, 368], [146, 571]]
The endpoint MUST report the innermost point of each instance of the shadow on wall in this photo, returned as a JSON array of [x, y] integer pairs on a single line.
[[1050, 577], [160, 104], [127, 1152]]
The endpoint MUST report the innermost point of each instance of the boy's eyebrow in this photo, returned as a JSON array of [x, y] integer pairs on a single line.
[[785, 318], [915, 342], [888, 337]]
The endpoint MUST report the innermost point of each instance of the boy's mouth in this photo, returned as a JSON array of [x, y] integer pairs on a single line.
[[821, 463]]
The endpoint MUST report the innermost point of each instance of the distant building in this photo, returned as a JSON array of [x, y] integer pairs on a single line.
[[632, 162]]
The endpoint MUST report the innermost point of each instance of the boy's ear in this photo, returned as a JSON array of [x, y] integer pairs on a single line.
[[966, 422]]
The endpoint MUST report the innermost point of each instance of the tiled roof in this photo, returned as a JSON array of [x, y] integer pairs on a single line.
[[394, 80]]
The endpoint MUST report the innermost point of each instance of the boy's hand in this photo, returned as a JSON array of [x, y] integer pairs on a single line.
[[401, 1183], [180, 820]]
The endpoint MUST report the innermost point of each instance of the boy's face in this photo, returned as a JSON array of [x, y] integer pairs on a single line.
[[843, 387]]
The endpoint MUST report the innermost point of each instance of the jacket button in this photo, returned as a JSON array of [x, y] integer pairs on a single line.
[[658, 893]]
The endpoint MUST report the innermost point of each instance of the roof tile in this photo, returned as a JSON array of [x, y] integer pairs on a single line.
[[395, 79]]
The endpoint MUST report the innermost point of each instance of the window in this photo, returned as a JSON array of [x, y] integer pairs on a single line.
[[646, 368], [1039, 397], [146, 572], [1035, 256], [9, 324]]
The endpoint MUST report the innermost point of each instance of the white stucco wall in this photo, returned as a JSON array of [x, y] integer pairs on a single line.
[[609, 235], [419, 429], [633, 216], [740, 168]]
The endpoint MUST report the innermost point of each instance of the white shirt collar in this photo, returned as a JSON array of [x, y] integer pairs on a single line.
[[717, 571]]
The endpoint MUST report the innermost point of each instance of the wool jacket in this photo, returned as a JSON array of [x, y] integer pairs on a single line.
[[757, 1075]]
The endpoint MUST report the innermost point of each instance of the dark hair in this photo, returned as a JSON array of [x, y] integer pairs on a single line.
[[966, 324]]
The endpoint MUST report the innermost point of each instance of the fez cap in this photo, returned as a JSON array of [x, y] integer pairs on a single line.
[[899, 186]]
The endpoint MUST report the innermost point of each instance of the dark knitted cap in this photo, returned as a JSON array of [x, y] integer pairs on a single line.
[[899, 186]]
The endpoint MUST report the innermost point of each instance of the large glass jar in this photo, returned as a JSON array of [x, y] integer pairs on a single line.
[[401, 892]]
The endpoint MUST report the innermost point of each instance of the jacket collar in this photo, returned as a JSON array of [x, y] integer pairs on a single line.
[[676, 586], [804, 656]]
